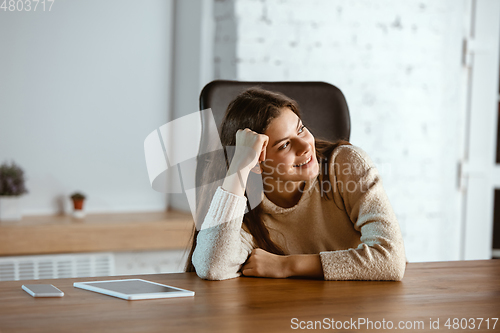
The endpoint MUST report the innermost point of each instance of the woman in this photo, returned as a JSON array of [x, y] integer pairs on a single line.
[[324, 213]]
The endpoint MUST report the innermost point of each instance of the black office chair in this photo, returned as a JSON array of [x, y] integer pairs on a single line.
[[323, 108]]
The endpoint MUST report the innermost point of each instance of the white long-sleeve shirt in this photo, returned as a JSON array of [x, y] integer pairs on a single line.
[[356, 233]]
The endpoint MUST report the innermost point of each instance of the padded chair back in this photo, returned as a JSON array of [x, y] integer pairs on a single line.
[[322, 105]]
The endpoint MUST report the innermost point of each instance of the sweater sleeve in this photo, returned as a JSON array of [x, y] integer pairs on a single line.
[[222, 246], [381, 254]]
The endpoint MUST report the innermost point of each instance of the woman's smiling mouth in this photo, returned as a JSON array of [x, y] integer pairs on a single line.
[[302, 164]]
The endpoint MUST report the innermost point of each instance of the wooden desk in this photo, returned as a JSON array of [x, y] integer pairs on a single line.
[[96, 233], [467, 289]]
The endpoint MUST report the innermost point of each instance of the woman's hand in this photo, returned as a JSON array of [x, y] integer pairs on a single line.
[[265, 264], [250, 149]]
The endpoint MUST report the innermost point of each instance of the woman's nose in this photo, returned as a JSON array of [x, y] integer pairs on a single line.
[[302, 147]]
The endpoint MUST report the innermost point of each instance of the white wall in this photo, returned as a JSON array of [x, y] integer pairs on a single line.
[[192, 70], [81, 87], [399, 66]]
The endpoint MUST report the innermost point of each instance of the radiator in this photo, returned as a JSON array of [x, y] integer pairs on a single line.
[[56, 266]]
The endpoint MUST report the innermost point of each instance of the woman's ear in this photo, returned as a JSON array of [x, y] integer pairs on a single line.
[[257, 169]]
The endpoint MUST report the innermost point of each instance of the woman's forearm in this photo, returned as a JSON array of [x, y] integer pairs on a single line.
[[236, 180], [306, 265], [219, 250]]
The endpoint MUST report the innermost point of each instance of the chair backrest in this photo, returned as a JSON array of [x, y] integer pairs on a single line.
[[323, 106]]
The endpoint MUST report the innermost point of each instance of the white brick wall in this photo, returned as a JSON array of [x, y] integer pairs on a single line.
[[399, 65]]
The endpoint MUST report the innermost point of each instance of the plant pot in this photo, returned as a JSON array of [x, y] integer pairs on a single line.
[[10, 208], [78, 204], [78, 208]]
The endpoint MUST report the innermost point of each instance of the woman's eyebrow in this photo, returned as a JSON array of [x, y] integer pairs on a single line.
[[278, 141]]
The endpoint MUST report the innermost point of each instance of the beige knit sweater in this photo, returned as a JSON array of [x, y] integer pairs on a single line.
[[356, 234]]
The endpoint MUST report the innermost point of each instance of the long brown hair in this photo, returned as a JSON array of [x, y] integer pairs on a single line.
[[255, 108]]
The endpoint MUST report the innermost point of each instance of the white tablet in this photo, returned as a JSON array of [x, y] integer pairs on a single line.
[[132, 289]]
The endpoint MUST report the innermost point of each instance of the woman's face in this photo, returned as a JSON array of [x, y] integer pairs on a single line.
[[290, 153]]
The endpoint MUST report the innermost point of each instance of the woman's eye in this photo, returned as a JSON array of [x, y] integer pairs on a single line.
[[284, 146], [301, 129]]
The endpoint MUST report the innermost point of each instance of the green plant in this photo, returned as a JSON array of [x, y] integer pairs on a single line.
[[12, 182], [78, 196]]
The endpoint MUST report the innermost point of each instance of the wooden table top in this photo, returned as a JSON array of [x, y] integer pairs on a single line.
[[465, 290], [96, 233]]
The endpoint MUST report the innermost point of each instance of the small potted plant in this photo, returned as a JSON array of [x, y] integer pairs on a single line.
[[78, 200], [12, 186]]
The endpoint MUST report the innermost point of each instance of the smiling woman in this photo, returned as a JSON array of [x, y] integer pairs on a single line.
[[323, 214]]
